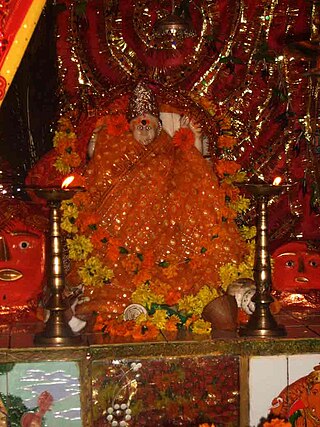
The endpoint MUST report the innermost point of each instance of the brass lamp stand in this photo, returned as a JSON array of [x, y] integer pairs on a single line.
[[57, 331], [261, 322]]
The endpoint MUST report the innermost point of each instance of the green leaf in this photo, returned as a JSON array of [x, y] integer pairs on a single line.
[[123, 250], [140, 256], [164, 264]]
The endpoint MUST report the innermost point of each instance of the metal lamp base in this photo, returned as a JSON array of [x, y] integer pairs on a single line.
[[262, 324], [57, 332], [46, 341]]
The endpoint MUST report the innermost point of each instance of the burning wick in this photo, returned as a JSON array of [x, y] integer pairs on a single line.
[[67, 181], [277, 180]]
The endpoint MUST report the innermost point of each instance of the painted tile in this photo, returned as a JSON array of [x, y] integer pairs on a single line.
[[41, 393], [166, 392], [286, 386]]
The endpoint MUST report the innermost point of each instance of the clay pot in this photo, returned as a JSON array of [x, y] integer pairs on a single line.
[[222, 313]]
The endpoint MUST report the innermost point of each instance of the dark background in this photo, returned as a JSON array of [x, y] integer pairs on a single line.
[[29, 110]]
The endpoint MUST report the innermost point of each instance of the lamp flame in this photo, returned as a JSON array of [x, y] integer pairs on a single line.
[[277, 180], [67, 181]]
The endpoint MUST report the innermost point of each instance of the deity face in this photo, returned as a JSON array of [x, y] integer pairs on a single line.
[[296, 268], [144, 128], [22, 263]]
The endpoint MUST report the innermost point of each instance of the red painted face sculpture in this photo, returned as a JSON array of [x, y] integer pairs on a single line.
[[22, 265], [296, 268]]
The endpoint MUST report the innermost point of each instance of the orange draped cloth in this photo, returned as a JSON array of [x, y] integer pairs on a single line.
[[164, 208]]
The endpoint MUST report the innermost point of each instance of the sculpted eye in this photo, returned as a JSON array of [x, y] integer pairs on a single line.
[[24, 244], [313, 263], [148, 127], [139, 127], [290, 263]]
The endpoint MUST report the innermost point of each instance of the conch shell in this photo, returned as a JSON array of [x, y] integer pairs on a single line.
[[243, 290]]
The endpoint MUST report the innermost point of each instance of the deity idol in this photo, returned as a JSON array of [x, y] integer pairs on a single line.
[[153, 225], [295, 278], [22, 259], [296, 267]]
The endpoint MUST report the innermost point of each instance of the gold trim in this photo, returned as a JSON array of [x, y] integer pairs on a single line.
[[20, 43]]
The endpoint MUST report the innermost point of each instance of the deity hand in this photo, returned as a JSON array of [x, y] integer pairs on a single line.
[[92, 141], [186, 122]]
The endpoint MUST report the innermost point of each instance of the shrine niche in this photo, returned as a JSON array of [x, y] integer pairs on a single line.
[[244, 80], [162, 225], [252, 71]]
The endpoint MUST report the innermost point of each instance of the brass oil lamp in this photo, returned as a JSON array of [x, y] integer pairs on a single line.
[[262, 323], [57, 331]]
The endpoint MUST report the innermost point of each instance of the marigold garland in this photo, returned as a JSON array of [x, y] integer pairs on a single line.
[[277, 422], [116, 124], [167, 309], [227, 167], [64, 142], [183, 138]]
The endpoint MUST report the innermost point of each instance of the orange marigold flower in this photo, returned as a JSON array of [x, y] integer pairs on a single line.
[[65, 125], [277, 422], [99, 323], [81, 199], [226, 141], [231, 191], [206, 425], [145, 331], [141, 277], [99, 239], [191, 320], [227, 167], [172, 324], [171, 271], [117, 124], [113, 252], [87, 219], [196, 262], [227, 212], [172, 297], [148, 260], [113, 241], [73, 159], [131, 263], [65, 146], [183, 138], [119, 329], [159, 287]]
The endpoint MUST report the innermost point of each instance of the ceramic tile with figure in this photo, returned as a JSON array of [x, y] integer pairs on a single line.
[[285, 388], [40, 394]]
